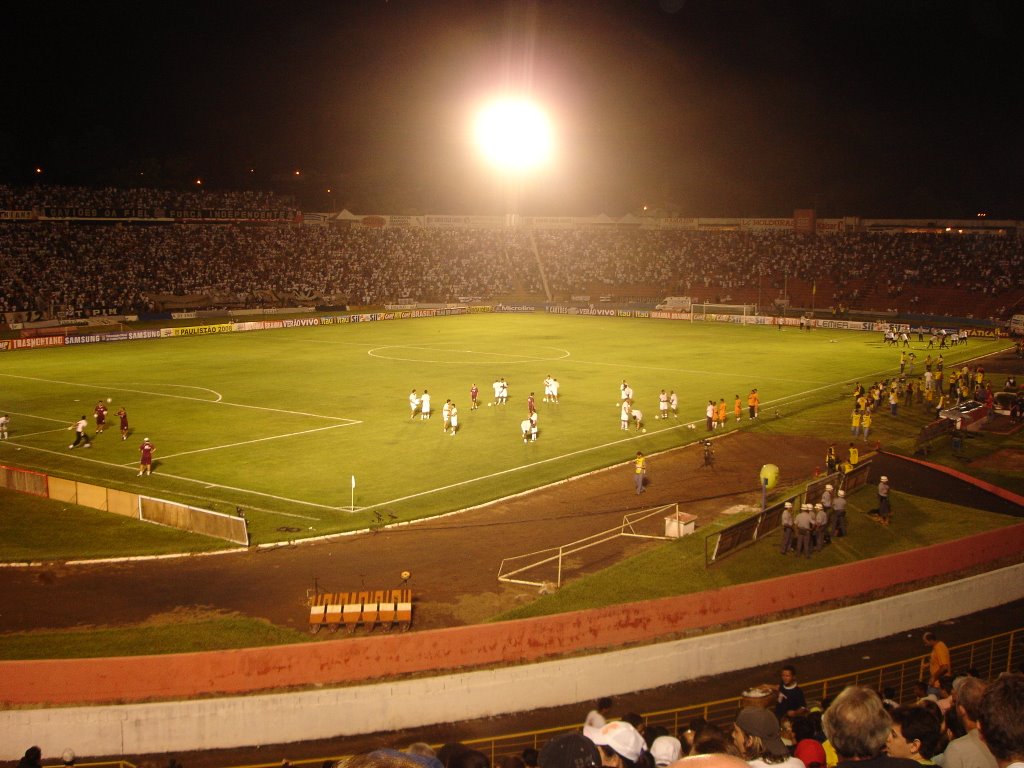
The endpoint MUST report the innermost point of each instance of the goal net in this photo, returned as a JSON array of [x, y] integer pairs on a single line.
[[730, 311]]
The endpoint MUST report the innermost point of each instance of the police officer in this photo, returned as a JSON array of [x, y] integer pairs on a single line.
[[787, 528]]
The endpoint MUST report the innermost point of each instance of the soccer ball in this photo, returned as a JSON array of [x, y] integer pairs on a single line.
[[644, 429], [110, 399], [490, 404]]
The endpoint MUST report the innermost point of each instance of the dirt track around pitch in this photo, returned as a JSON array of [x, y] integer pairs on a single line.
[[454, 560]]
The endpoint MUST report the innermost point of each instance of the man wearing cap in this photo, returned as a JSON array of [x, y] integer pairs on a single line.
[[802, 524], [619, 742], [837, 526], [820, 521], [883, 500], [826, 502], [570, 750], [665, 750], [787, 528], [756, 736]]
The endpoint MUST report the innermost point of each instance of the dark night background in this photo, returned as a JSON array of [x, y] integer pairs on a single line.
[[691, 107]]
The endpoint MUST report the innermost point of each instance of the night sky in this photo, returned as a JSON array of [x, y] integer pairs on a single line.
[[692, 107]]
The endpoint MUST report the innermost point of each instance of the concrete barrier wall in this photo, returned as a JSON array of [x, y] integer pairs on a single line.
[[94, 496], [324, 713], [358, 659], [63, 490], [123, 503]]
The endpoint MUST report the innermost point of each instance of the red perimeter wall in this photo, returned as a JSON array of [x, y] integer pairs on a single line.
[[359, 659]]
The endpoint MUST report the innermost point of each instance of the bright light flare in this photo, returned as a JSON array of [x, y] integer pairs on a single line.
[[514, 135]]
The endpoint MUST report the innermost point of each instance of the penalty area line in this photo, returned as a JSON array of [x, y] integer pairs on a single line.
[[192, 480], [256, 440]]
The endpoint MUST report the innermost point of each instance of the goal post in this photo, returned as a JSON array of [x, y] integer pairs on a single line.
[[642, 524], [707, 311]]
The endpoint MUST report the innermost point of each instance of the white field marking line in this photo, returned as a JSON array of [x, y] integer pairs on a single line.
[[103, 388], [33, 416], [205, 483], [372, 352], [44, 432], [777, 401], [181, 397], [250, 442], [581, 451]]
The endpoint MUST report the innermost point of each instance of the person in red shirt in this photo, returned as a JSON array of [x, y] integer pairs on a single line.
[[122, 414], [100, 411], [146, 451]]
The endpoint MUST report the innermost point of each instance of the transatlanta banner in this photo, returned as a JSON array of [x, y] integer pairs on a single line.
[[34, 343]]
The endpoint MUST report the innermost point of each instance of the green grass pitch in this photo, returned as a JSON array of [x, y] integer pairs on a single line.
[[278, 422]]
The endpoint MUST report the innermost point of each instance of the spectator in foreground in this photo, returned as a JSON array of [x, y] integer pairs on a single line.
[[916, 734], [570, 750], [756, 736], [32, 758], [716, 760], [621, 745], [665, 750], [381, 758], [857, 726], [1002, 720], [968, 751]]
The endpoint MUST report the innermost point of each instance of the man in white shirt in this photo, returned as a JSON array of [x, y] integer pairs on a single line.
[[596, 717]]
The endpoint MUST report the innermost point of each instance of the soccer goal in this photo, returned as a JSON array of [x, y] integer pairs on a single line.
[[644, 524], [727, 312]]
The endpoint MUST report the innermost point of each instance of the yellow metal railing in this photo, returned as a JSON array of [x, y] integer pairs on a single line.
[[988, 656]]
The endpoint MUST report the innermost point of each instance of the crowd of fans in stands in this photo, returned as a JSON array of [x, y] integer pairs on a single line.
[[962, 722], [40, 196], [80, 268]]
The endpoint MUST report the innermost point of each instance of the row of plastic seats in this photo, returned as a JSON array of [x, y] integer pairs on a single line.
[[386, 607]]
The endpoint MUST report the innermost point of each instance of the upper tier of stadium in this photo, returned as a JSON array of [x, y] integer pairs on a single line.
[[72, 252]]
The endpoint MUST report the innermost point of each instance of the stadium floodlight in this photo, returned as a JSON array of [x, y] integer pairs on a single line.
[[514, 134]]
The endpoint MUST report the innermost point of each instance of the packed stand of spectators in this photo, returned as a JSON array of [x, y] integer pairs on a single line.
[[77, 268], [42, 196], [71, 269], [713, 265]]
